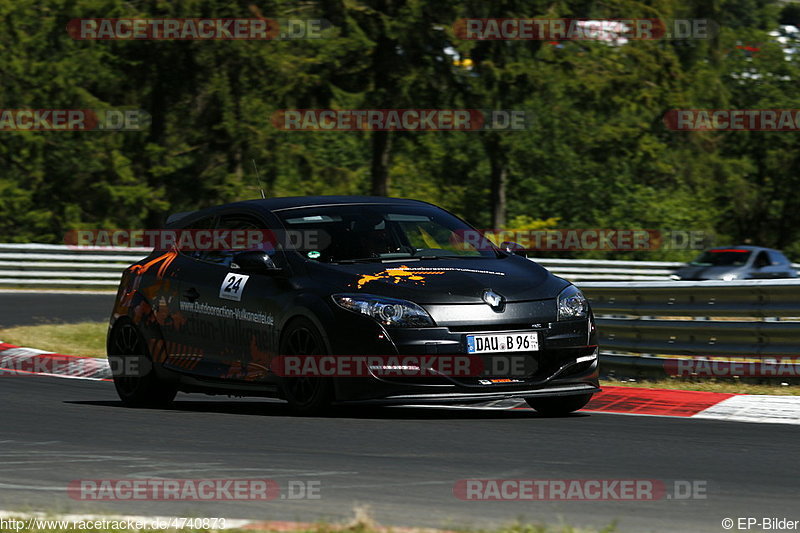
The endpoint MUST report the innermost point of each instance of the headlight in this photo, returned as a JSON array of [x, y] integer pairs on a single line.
[[729, 277], [388, 311], [572, 304]]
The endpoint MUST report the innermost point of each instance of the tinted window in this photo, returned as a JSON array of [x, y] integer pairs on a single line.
[[224, 256], [761, 260], [777, 258], [206, 223], [354, 232], [722, 257]]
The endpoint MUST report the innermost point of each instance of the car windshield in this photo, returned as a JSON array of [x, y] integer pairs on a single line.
[[380, 232], [726, 257]]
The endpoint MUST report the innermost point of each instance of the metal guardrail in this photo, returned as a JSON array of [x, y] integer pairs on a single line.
[[600, 269], [647, 315], [706, 319], [56, 265], [609, 270]]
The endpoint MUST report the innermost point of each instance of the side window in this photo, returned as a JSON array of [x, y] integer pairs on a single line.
[[761, 260], [239, 233], [206, 223], [777, 258]]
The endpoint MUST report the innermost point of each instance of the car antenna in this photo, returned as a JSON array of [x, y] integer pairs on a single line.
[[258, 177]]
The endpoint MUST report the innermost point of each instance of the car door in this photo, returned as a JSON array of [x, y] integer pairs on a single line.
[[185, 343], [231, 314]]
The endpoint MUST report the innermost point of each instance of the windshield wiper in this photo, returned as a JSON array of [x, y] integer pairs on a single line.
[[403, 257], [426, 256], [366, 260]]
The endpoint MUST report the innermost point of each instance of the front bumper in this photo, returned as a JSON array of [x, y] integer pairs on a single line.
[[565, 364], [568, 389]]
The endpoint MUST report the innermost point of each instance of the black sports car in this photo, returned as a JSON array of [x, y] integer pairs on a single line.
[[345, 277]]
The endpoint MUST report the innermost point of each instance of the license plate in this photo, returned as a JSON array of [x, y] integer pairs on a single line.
[[503, 342]]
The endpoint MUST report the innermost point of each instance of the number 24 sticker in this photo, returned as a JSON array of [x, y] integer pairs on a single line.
[[233, 286]]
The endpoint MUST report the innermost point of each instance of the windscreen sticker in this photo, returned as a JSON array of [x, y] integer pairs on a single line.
[[416, 275], [233, 286]]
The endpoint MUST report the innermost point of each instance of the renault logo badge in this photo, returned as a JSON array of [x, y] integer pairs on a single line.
[[493, 299]]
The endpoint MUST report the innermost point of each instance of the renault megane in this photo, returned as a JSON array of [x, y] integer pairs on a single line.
[[344, 277]]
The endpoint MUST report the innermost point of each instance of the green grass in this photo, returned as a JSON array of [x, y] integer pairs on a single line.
[[83, 338]]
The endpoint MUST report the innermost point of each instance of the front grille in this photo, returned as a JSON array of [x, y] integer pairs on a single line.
[[418, 380], [539, 366], [480, 328]]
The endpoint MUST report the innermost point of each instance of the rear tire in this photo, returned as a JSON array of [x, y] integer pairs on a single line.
[[559, 405], [306, 395], [132, 367]]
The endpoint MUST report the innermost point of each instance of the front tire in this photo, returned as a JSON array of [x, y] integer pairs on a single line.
[[132, 368], [559, 405], [306, 395]]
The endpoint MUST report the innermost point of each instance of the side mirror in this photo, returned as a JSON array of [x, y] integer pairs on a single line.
[[513, 248], [254, 262]]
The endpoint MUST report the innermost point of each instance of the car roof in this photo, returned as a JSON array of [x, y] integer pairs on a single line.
[[748, 247], [290, 202]]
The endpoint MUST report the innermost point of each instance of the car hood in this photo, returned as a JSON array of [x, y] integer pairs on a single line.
[[443, 281], [707, 272]]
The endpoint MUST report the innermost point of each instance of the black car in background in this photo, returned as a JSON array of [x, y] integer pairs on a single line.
[[381, 276], [738, 262]]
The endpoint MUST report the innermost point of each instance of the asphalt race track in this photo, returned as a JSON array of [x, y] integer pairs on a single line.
[[27, 308], [401, 462]]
